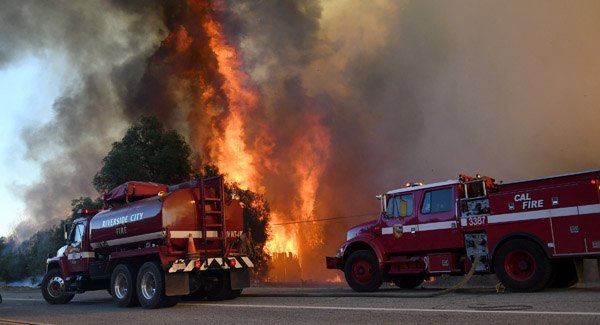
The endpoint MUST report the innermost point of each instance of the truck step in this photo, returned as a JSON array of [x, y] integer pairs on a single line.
[[214, 225]]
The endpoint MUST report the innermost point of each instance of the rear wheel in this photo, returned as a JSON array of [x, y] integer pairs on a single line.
[[151, 287], [362, 271], [122, 286], [564, 273], [53, 288], [408, 281], [521, 265], [222, 289]]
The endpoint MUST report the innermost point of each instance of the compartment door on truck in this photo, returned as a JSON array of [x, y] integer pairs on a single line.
[[438, 224], [400, 223]]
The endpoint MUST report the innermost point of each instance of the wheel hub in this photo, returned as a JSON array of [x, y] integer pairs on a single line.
[[121, 286], [520, 265], [56, 287], [148, 286], [362, 271]]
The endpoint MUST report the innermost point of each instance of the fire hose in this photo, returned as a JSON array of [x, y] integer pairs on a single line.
[[457, 286]]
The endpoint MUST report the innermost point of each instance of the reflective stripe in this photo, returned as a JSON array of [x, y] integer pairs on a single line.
[[247, 261], [78, 255], [588, 209], [387, 230], [507, 217], [128, 240], [518, 216], [421, 227], [437, 225], [561, 212], [195, 234], [210, 263], [541, 214]]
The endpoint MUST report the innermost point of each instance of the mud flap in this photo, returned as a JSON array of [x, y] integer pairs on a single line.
[[240, 279], [177, 284]]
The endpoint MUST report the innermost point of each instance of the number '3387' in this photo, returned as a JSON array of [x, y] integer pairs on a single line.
[[476, 221]]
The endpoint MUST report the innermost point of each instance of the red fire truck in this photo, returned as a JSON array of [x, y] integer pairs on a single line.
[[529, 233], [154, 243]]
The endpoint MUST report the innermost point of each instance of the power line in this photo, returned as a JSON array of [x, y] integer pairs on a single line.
[[320, 220]]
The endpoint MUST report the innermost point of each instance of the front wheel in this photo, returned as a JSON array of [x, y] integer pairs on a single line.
[[362, 271], [53, 288], [521, 265]]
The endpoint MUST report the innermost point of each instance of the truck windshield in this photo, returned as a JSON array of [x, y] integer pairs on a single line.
[[77, 233], [400, 206]]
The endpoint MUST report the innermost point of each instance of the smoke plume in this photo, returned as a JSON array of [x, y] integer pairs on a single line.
[[343, 99]]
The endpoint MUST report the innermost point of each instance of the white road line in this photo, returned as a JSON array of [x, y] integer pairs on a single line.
[[22, 299], [519, 312]]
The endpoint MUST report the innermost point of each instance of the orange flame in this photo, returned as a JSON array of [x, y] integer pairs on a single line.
[[245, 161], [230, 150]]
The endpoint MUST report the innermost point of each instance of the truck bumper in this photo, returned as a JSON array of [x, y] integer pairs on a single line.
[[335, 263]]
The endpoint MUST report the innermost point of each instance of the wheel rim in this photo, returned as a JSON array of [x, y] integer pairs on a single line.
[[362, 272], [56, 287], [520, 265], [148, 285], [121, 286]]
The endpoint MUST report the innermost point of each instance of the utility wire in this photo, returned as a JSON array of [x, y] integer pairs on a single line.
[[320, 220]]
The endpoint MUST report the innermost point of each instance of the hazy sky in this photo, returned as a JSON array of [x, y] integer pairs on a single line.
[[28, 88]]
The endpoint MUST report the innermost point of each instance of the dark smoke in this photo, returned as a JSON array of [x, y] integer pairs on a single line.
[[409, 90], [95, 38], [425, 90]]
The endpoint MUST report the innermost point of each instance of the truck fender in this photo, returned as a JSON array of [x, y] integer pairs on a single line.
[[514, 235], [57, 263], [368, 243]]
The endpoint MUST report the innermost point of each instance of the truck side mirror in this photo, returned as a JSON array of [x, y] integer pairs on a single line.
[[66, 227]]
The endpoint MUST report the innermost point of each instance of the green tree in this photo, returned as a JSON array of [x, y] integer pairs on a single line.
[[146, 153]]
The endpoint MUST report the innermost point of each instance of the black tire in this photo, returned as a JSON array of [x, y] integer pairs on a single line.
[[522, 266], [196, 295], [564, 273], [53, 288], [362, 271], [151, 287], [222, 289], [408, 281], [122, 286], [171, 301], [235, 293]]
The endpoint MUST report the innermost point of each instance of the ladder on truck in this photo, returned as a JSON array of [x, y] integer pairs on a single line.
[[213, 218]]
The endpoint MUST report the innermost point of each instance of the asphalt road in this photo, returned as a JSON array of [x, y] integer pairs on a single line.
[[332, 305]]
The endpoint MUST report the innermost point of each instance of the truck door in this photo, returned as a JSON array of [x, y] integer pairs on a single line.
[[438, 223], [76, 255], [399, 223]]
